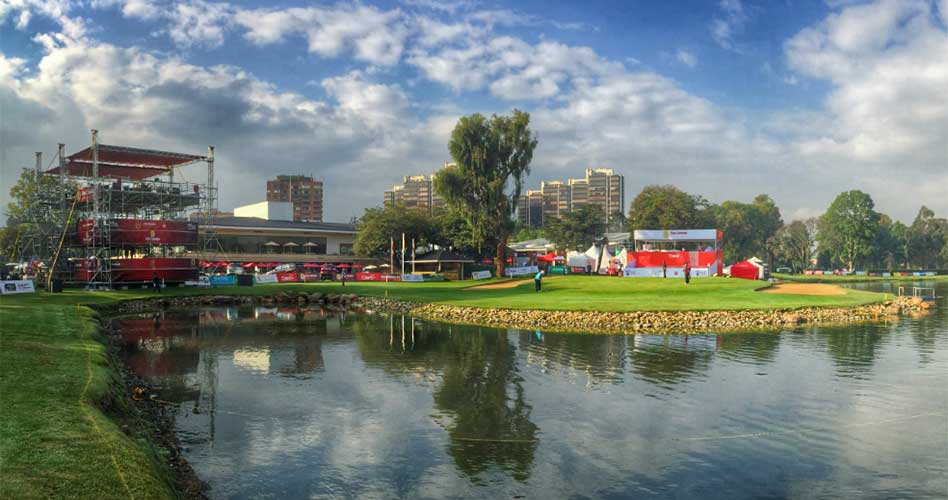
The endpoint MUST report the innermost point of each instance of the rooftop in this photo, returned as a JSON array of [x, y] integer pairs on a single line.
[[256, 222]]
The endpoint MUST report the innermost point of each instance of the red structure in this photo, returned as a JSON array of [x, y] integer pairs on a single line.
[[747, 270], [666, 251], [130, 217]]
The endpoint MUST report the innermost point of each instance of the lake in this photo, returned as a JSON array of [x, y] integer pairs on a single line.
[[291, 403]]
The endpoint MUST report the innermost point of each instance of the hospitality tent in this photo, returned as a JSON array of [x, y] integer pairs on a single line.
[[603, 263], [749, 269]]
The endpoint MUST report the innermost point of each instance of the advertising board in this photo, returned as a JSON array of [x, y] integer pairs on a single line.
[[8, 287], [520, 271], [223, 280], [265, 278], [310, 277], [480, 275], [368, 276], [413, 278], [287, 277]]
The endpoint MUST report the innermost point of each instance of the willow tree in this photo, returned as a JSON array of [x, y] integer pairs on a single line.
[[493, 157]]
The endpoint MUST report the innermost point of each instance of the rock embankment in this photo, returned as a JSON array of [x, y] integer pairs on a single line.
[[560, 321]]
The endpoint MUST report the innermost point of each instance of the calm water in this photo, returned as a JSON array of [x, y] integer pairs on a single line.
[[279, 403]]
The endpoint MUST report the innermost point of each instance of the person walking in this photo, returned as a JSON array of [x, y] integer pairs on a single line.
[[687, 273], [664, 269], [537, 279]]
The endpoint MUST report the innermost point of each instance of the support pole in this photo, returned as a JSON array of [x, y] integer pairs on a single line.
[[39, 164]]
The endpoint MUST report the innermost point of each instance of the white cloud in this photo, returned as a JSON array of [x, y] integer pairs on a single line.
[[373, 35], [686, 58], [728, 24]]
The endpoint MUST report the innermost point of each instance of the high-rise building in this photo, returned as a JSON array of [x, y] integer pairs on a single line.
[[304, 192], [530, 209], [601, 186], [416, 192]]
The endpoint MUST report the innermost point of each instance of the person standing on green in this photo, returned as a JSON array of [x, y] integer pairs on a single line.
[[537, 279]]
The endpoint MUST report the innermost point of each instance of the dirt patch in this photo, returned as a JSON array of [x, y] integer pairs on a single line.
[[805, 289]]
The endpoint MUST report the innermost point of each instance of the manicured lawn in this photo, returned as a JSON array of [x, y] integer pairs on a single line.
[[831, 278], [55, 442]]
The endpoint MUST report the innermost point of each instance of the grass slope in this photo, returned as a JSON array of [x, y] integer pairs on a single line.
[[54, 441]]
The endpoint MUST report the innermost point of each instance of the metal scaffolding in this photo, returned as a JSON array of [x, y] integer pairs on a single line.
[[89, 192]]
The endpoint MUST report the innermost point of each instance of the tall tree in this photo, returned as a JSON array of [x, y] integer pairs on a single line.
[[926, 237], [493, 157], [577, 229], [667, 207], [747, 227], [379, 226], [849, 227], [794, 244]]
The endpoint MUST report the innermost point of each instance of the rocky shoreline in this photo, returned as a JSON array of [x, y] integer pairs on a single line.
[[655, 322]]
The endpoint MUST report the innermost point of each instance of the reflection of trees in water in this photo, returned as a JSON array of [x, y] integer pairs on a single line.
[[853, 348], [600, 357], [671, 359], [489, 418], [758, 347], [476, 390]]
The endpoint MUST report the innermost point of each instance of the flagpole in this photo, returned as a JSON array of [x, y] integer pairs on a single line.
[[403, 253], [413, 255]]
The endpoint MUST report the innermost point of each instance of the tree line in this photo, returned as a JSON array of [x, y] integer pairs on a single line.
[[493, 157]]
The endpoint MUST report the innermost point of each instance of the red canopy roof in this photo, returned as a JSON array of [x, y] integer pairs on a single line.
[[126, 163]]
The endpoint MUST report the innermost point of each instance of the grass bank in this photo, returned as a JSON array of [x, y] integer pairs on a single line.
[[56, 441], [831, 278]]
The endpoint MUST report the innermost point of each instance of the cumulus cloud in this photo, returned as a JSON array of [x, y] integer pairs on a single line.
[[728, 23], [686, 58]]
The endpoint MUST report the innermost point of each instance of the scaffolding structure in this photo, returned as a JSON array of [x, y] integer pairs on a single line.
[[106, 210]]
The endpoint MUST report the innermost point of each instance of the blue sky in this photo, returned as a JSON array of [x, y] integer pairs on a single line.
[[800, 100]]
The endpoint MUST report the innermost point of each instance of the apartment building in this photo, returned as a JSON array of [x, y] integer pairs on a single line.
[[600, 186], [416, 192], [305, 193]]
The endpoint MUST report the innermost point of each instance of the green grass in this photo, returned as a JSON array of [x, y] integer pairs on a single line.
[[56, 443], [832, 278]]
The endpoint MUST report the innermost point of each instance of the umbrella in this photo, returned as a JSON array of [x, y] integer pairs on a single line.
[[370, 267], [357, 266], [309, 244], [385, 265], [311, 265], [271, 244], [290, 244], [343, 266]]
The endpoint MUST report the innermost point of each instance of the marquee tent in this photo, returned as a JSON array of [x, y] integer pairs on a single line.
[[749, 269]]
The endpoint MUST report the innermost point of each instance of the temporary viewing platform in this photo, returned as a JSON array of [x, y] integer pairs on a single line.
[[672, 249]]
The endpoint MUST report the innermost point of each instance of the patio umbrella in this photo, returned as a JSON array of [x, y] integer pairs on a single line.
[[368, 268], [343, 266], [357, 266], [308, 246], [271, 244], [385, 266], [311, 265], [290, 244]]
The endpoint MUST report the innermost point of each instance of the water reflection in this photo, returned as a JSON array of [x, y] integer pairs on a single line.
[[288, 403]]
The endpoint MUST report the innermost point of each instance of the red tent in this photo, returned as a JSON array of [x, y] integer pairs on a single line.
[[746, 270], [311, 265], [343, 266], [550, 257]]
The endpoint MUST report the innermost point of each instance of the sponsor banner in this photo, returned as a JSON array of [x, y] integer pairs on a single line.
[[287, 277], [368, 276], [16, 286], [143, 232], [887, 274], [413, 278], [860, 273], [671, 272], [265, 278], [520, 271], [223, 280], [675, 234], [201, 281], [391, 277], [931, 273], [480, 275], [433, 277], [310, 277]]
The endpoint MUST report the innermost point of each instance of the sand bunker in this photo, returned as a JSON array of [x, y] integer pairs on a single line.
[[495, 286], [805, 289]]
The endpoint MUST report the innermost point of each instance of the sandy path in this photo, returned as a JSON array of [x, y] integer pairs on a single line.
[[507, 284], [805, 289]]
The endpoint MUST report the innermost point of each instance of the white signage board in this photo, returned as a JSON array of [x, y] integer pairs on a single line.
[[671, 272], [413, 278], [265, 278], [520, 271], [17, 286], [675, 234], [480, 275]]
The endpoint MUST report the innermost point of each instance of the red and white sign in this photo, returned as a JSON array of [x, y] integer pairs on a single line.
[[310, 277], [142, 232], [676, 235], [368, 276], [287, 277]]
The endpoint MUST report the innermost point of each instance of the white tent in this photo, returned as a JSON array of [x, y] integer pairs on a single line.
[[576, 259], [593, 254]]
